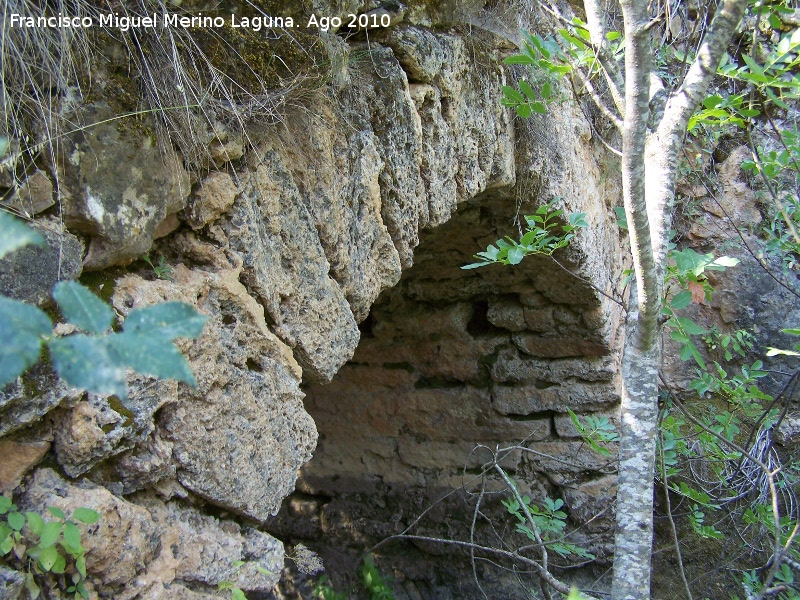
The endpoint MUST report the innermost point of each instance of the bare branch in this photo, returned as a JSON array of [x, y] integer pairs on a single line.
[[598, 28], [545, 575], [674, 529], [598, 100]]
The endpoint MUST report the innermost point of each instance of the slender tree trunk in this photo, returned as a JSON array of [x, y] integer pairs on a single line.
[[649, 172]]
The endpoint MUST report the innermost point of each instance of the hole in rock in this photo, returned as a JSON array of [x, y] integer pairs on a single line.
[[448, 363]]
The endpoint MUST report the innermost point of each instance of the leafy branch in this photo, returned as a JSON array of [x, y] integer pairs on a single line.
[[541, 237]]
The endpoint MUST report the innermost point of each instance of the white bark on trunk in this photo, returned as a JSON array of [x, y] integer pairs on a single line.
[[638, 421], [649, 172]]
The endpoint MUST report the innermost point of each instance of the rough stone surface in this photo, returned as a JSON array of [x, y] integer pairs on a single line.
[[143, 550], [12, 583], [405, 157], [286, 268], [526, 400], [592, 503], [31, 396], [18, 458], [118, 546], [200, 549], [788, 433], [214, 196], [239, 438], [33, 196], [93, 431], [117, 188], [30, 273]]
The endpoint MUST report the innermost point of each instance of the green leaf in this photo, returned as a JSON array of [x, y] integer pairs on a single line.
[[690, 327], [152, 355], [31, 586], [35, 522], [22, 328], [237, 594], [50, 534], [527, 89], [72, 535], [518, 59], [56, 512], [169, 319], [681, 300], [16, 521], [538, 107], [712, 102], [778, 351], [749, 112], [547, 90], [512, 94], [80, 566], [88, 362], [515, 256], [5, 505], [48, 557], [725, 261], [86, 515], [82, 308], [60, 565], [689, 261], [15, 235], [523, 110]]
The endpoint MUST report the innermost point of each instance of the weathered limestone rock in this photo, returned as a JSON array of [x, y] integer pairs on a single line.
[[97, 429], [561, 461], [148, 464], [12, 583], [788, 433], [507, 313], [240, 437], [513, 367], [30, 273], [149, 550], [117, 188], [338, 173], [214, 196], [309, 229], [591, 503], [33, 196], [19, 456], [529, 399], [285, 266], [199, 549], [31, 396], [555, 346], [383, 104], [419, 51], [118, 546]]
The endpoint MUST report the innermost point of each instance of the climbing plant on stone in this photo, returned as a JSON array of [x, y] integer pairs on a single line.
[[97, 359]]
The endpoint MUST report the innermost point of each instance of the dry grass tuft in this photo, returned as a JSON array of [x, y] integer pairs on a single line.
[[195, 83]]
